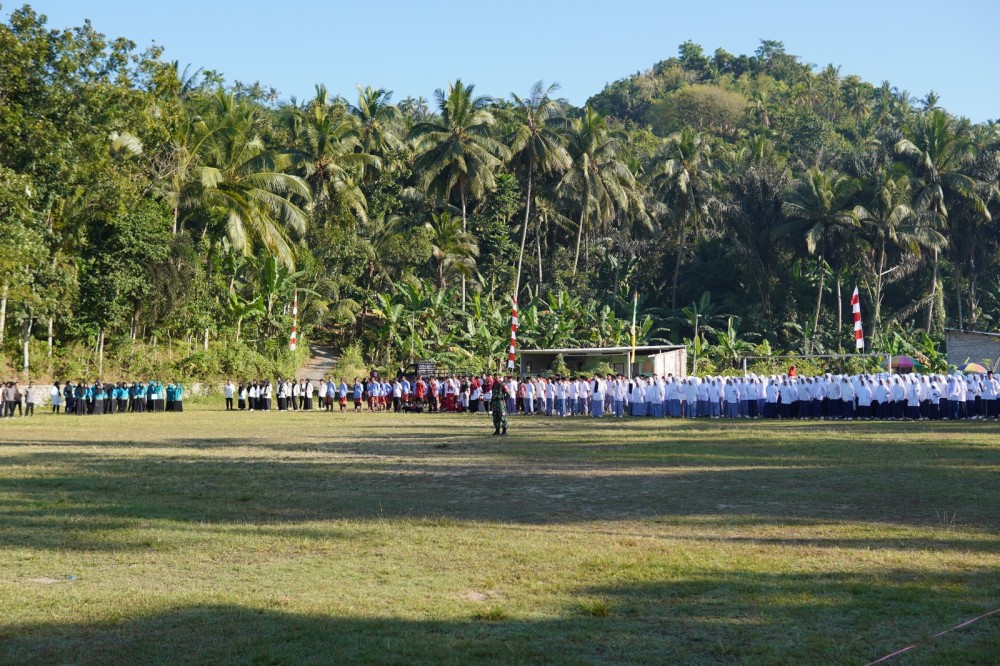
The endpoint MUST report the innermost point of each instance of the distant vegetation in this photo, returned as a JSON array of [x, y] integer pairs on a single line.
[[158, 218]]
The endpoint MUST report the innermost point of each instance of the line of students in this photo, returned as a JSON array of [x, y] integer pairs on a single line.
[[881, 396], [83, 399], [831, 397], [259, 395]]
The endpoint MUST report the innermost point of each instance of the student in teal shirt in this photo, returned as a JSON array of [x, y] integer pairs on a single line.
[[178, 397]]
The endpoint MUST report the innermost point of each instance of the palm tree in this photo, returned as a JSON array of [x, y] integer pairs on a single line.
[[939, 151], [456, 151], [685, 177], [598, 180], [536, 147], [328, 151], [891, 221], [379, 122], [248, 183], [452, 248], [818, 207]]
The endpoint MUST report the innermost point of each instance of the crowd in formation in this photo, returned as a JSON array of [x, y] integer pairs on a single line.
[[868, 396], [881, 396], [83, 399]]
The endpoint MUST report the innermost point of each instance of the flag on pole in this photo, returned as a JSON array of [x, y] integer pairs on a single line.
[[513, 336], [635, 306], [295, 321], [859, 336]]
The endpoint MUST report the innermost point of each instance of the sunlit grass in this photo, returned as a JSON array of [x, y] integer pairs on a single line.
[[291, 538]]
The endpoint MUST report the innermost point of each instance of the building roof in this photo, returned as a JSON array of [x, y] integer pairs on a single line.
[[965, 332], [584, 351]]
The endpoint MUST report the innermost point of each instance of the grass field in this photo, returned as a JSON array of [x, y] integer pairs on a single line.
[[289, 538]]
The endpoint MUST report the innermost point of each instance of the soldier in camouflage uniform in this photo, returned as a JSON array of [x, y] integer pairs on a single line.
[[498, 406]]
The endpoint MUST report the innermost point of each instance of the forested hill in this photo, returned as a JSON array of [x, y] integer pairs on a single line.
[[157, 218]]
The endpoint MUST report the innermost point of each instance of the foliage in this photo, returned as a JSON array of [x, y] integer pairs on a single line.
[[146, 206]]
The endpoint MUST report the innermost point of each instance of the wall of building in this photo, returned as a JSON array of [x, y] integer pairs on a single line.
[[975, 347]]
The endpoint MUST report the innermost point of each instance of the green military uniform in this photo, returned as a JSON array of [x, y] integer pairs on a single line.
[[498, 407]]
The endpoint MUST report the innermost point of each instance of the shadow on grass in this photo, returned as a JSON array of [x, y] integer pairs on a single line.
[[735, 617], [543, 474]]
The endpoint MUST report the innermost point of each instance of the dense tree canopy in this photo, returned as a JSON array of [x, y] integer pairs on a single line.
[[150, 210]]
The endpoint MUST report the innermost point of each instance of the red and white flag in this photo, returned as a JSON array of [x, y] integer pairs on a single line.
[[513, 336], [859, 336], [295, 321]]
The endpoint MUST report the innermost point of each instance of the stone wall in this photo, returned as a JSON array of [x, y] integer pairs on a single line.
[[972, 346]]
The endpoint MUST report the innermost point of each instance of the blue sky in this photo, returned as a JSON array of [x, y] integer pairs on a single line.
[[416, 47]]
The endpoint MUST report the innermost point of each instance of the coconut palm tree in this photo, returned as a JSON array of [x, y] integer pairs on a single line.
[[939, 151], [456, 151], [536, 147], [237, 175], [817, 208], [599, 179], [327, 150], [684, 177], [452, 248], [379, 122], [890, 222]]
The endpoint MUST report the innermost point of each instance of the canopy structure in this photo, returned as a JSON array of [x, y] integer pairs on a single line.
[[649, 360]]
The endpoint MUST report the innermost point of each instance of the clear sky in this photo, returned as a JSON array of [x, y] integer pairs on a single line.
[[415, 47]]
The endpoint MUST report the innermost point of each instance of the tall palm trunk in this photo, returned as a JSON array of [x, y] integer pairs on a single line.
[[681, 246], [579, 237], [524, 235], [934, 281], [464, 230], [973, 300], [819, 302], [840, 317], [538, 245], [878, 290]]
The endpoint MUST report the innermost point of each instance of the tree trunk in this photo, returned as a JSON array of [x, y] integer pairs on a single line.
[[538, 243], [681, 245], [27, 342], [51, 322], [973, 300], [464, 230], [579, 237], [840, 317], [3, 309], [206, 338], [958, 301], [176, 216], [878, 291], [100, 354], [819, 304], [524, 236], [930, 306]]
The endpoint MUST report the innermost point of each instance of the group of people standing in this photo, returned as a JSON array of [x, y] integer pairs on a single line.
[[259, 395], [14, 398], [83, 399], [881, 396]]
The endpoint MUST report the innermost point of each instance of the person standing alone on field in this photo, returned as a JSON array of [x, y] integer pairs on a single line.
[[498, 406]]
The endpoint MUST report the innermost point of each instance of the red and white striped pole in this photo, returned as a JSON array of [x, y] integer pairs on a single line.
[[295, 321], [513, 336], [859, 336]]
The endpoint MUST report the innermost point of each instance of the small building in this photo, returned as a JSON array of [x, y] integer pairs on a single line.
[[972, 346], [649, 360]]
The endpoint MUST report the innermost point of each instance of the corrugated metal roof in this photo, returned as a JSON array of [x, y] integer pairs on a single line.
[[602, 350], [964, 332]]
